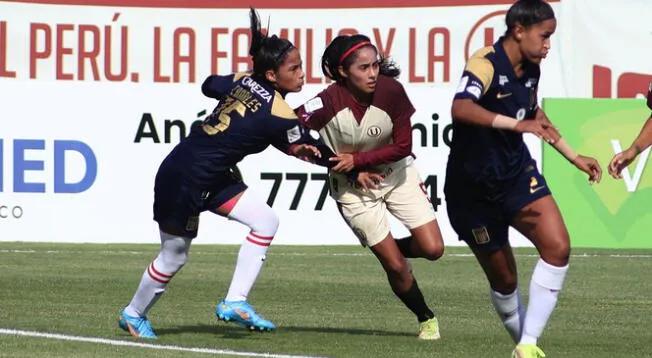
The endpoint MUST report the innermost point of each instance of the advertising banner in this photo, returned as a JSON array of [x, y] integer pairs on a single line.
[[96, 93], [613, 213]]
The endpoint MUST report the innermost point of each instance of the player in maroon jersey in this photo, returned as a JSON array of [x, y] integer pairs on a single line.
[[364, 117]]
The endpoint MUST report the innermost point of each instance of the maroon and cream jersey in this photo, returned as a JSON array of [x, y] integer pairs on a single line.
[[379, 135]]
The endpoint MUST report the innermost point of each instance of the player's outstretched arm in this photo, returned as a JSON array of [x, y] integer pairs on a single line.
[[467, 111], [621, 160], [588, 165]]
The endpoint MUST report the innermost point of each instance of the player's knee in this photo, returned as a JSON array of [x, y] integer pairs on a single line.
[[558, 252], [266, 223], [397, 267], [256, 214], [433, 251], [174, 252]]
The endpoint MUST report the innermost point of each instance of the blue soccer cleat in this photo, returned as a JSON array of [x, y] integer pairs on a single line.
[[242, 313], [138, 327]]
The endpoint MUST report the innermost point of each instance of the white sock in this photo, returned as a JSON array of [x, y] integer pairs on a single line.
[[173, 255], [547, 281], [263, 221], [250, 261], [510, 310]]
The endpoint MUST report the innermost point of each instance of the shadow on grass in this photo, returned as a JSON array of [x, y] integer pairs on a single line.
[[237, 332]]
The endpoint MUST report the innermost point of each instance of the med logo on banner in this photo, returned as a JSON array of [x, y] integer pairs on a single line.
[[35, 166]]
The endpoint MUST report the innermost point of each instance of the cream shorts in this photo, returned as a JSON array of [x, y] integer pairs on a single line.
[[405, 197]]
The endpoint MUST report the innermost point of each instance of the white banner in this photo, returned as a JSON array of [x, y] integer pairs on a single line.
[[606, 48], [94, 97]]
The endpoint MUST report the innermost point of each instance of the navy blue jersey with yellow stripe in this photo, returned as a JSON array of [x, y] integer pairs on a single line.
[[250, 116], [489, 80]]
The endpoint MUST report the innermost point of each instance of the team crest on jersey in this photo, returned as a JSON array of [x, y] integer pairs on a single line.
[[294, 134], [374, 131], [193, 223], [520, 114], [502, 79], [481, 235]]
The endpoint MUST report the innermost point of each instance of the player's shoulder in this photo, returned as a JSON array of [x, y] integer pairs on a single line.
[[281, 109], [240, 75], [485, 54], [482, 61], [390, 85]]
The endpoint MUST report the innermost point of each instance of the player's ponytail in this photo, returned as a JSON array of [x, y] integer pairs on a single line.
[[527, 13], [267, 53], [342, 52]]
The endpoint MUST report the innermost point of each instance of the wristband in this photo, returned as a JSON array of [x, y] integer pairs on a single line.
[[504, 122], [565, 149]]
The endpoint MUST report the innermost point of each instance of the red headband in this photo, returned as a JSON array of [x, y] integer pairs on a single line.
[[355, 47]]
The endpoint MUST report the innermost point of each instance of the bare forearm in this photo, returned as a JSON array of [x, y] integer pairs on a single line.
[[469, 112], [644, 138]]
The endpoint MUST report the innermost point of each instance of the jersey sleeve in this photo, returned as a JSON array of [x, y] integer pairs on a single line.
[[286, 133], [315, 113], [285, 130], [476, 79], [216, 86]]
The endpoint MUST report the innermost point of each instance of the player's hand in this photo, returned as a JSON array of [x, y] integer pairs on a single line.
[[345, 162], [368, 180], [305, 152], [620, 161], [590, 166], [541, 129]]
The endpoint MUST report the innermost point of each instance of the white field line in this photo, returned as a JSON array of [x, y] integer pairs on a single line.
[[114, 342], [192, 252]]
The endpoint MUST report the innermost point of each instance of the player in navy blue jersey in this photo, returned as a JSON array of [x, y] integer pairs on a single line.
[[642, 142], [492, 182], [200, 174]]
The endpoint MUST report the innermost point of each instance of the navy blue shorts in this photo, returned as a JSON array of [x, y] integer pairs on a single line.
[[177, 203], [481, 213]]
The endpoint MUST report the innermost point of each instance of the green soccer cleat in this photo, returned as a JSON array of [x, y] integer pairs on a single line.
[[429, 330], [527, 351]]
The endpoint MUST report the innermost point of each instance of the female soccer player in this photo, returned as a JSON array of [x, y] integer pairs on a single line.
[[364, 116], [492, 182], [644, 139], [200, 174]]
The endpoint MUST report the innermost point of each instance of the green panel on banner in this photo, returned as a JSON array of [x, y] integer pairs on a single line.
[[613, 213]]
